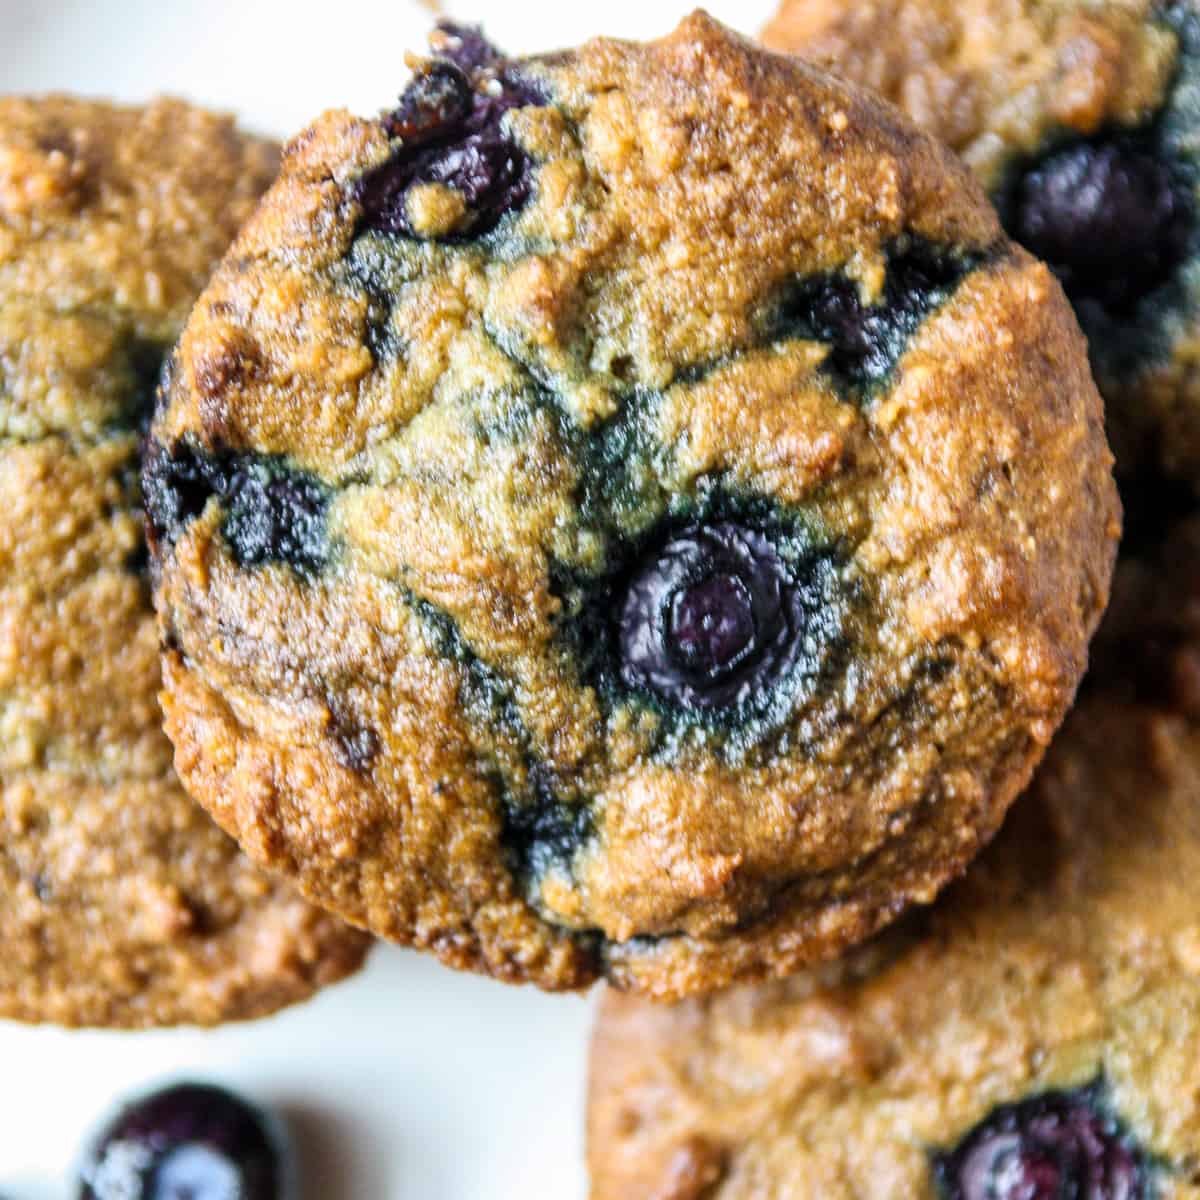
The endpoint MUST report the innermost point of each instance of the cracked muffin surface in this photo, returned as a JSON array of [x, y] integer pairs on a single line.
[[624, 513], [1032, 1036], [121, 902], [1083, 122]]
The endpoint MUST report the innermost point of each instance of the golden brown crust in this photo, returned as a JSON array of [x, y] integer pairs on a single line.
[[1000, 81], [992, 78], [455, 398], [121, 903], [1069, 953]]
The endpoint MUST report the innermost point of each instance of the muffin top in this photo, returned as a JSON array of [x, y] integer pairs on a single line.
[[1081, 119], [628, 512], [1034, 1035], [997, 78], [123, 904]]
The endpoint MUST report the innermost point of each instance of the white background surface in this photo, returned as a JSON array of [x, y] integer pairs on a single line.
[[409, 1082]]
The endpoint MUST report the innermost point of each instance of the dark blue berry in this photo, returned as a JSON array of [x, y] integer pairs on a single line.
[[176, 485], [1111, 217], [467, 48], [188, 1142], [449, 126], [866, 340], [438, 99], [273, 513], [275, 517], [716, 619], [1057, 1146], [711, 623]]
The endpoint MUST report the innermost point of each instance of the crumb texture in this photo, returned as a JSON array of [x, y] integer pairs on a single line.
[[121, 903], [703, 512], [1080, 119]]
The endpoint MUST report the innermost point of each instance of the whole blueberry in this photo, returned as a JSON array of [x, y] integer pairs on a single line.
[[1056, 1146], [1111, 217], [191, 1141], [716, 618], [711, 622]]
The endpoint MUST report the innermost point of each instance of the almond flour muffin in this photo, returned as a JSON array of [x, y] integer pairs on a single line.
[[1034, 1036], [626, 513], [1082, 119], [121, 903]]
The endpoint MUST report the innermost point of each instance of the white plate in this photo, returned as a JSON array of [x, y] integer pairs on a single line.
[[410, 1082]]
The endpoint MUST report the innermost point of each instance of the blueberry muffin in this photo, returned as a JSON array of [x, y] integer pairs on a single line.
[[1033, 1036], [626, 513], [121, 903], [1081, 119]]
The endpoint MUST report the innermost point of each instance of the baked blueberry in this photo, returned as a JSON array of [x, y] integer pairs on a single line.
[[1113, 218], [662, 561], [866, 340], [1032, 1035], [1061, 1144], [1080, 120], [273, 514], [715, 619], [450, 135], [123, 904], [465, 45], [188, 1142]]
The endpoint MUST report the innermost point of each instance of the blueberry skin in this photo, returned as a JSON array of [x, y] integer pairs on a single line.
[[467, 48], [448, 124], [866, 341], [274, 514], [1056, 1146], [190, 1141], [714, 619], [1112, 218]]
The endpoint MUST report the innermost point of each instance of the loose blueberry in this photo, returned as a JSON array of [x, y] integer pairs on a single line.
[[1057, 1146], [273, 513], [449, 123], [188, 1142], [716, 618], [1111, 218], [866, 340]]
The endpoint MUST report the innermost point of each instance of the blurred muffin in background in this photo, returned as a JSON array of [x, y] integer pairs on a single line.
[[1082, 120], [121, 903]]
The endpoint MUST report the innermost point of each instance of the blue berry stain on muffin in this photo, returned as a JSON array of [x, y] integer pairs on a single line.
[[273, 514], [866, 338]]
